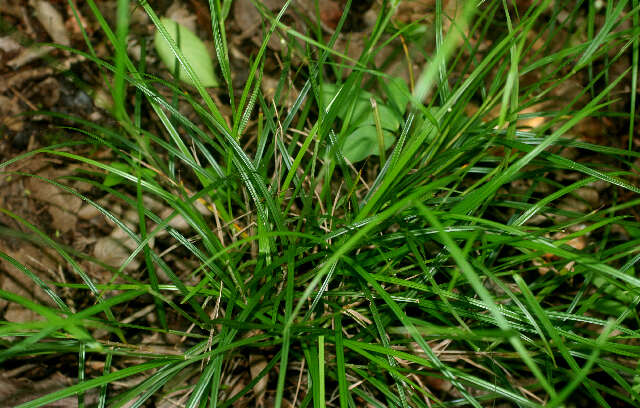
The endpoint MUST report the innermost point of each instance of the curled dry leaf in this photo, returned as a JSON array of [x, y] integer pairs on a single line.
[[115, 249], [16, 390], [62, 207], [16, 80], [52, 21], [53, 24], [29, 54], [88, 212], [8, 44], [257, 363]]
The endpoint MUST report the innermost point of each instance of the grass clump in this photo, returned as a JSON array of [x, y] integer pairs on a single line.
[[461, 264]]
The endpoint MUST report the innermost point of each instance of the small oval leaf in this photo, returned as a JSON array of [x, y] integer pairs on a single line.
[[397, 94], [363, 142], [329, 91], [191, 47], [362, 111], [113, 179], [388, 118]]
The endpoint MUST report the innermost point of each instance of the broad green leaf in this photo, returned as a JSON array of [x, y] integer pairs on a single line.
[[193, 49], [363, 111], [388, 118], [329, 91], [397, 93], [363, 142], [112, 179]]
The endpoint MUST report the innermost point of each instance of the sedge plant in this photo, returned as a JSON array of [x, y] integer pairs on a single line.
[[432, 261]]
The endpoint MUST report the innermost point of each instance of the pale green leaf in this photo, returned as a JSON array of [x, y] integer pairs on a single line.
[[388, 118], [363, 142], [397, 93], [193, 49], [112, 179], [363, 111]]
